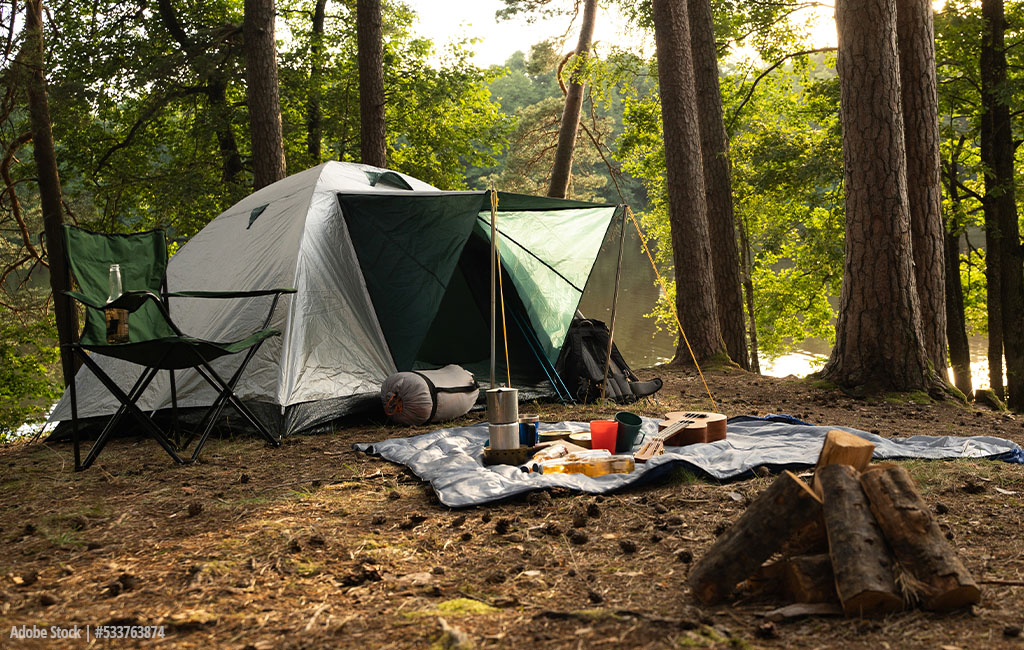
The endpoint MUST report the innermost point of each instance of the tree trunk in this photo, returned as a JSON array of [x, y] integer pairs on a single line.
[[216, 92], [1000, 205], [314, 126], [373, 141], [262, 93], [691, 248], [49, 186], [956, 328], [231, 159], [915, 35], [714, 147], [879, 344], [993, 285], [561, 170], [748, 292]]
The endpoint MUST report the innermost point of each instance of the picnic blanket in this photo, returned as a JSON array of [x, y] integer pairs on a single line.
[[451, 460]]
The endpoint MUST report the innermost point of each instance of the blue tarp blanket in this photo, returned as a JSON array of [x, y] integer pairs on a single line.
[[451, 459]]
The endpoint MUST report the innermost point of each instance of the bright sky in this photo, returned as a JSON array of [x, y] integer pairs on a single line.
[[440, 21]]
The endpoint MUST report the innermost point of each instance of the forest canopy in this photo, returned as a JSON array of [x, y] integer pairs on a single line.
[[150, 122]]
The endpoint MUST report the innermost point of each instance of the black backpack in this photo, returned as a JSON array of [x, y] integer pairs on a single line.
[[581, 366]]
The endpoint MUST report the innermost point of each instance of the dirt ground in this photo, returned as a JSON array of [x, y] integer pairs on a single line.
[[316, 545]]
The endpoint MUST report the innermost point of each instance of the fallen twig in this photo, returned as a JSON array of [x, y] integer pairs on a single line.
[[1000, 581]]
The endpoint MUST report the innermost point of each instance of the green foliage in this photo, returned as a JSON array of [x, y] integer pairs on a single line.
[[787, 180], [532, 104], [145, 140], [28, 356], [787, 172]]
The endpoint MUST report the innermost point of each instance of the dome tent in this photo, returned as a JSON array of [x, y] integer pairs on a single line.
[[391, 273]]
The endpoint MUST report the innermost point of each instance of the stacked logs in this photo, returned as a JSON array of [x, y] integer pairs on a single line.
[[860, 534]]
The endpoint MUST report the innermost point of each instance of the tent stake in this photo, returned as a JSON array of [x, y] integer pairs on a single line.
[[615, 302]]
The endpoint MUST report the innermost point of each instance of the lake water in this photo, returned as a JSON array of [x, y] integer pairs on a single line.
[[811, 355]]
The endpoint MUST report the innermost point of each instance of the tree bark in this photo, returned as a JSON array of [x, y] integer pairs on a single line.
[[956, 327], [915, 34], [714, 147], [1000, 207], [561, 170], [314, 115], [861, 560], [879, 341], [373, 140], [263, 94], [748, 293], [231, 159], [48, 178], [940, 580], [786, 506], [691, 248]]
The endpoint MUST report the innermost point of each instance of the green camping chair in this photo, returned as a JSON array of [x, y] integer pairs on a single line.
[[153, 340]]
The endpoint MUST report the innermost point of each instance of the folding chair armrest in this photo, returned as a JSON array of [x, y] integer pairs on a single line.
[[129, 300], [85, 300], [229, 294], [277, 293]]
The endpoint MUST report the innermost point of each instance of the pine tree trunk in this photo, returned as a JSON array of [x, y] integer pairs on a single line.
[[1000, 207], [561, 170], [216, 92], [879, 343], [373, 140], [915, 35], [314, 126], [956, 327], [714, 148], [263, 94], [49, 186], [691, 248], [748, 292], [231, 159]]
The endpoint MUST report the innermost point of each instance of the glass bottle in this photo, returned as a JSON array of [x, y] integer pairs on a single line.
[[115, 283]]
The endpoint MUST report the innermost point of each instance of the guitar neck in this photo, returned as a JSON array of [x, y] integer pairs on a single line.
[[674, 429]]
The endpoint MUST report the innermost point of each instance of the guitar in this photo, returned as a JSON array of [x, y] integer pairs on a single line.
[[682, 428]]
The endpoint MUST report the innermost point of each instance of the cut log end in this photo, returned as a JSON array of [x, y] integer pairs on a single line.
[[868, 603], [842, 448], [954, 599]]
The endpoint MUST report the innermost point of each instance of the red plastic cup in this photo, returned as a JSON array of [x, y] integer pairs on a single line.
[[603, 434]]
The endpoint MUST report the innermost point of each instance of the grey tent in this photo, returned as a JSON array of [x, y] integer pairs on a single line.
[[392, 274]]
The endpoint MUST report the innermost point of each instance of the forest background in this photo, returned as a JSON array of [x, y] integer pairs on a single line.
[[151, 129]]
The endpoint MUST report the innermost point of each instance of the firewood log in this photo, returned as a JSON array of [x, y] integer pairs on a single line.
[[861, 561], [940, 579], [842, 448], [785, 506], [809, 579]]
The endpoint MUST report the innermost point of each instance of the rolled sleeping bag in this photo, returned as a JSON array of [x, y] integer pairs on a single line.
[[421, 396]]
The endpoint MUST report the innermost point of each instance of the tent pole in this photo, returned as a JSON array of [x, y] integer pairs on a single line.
[[494, 271], [615, 301]]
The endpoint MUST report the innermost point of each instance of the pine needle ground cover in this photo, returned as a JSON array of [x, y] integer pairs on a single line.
[[316, 545]]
